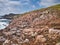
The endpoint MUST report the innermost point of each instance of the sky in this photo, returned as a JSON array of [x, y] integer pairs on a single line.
[[22, 6]]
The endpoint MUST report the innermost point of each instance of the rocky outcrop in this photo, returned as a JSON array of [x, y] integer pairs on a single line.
[[33, 28], [9, 16]]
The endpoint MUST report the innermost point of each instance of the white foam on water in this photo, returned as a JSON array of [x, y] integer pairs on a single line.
[[3, 23]]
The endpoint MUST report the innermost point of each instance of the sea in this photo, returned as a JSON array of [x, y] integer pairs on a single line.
[[4, 23]]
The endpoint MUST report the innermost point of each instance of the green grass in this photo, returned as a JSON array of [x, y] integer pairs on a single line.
[[51, 7], [55, 7]]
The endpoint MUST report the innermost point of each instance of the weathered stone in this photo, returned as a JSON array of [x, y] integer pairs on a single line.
[[54, 30], [58, 43], [18, 31], [34, 34], [14, 44], [2, 38], [28, 31], [14, 29], [40, 38], [26, 40], [9, 33], [6, 42]]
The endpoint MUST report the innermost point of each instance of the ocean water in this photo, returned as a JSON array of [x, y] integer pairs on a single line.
[[4, 23]]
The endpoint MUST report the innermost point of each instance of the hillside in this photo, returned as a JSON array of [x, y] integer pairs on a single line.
[[9, 16], [38, 27], [46, 13], [56, 7]]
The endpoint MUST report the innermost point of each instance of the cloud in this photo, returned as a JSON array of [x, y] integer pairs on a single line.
[[46, 3], [21, 6], [14, 3], [7, 6], [12, 6], [33, 6]]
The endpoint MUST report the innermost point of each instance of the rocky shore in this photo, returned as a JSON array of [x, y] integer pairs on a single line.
[[33, 28]]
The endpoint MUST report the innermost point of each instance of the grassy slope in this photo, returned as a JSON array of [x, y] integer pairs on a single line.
[[57, 7]]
